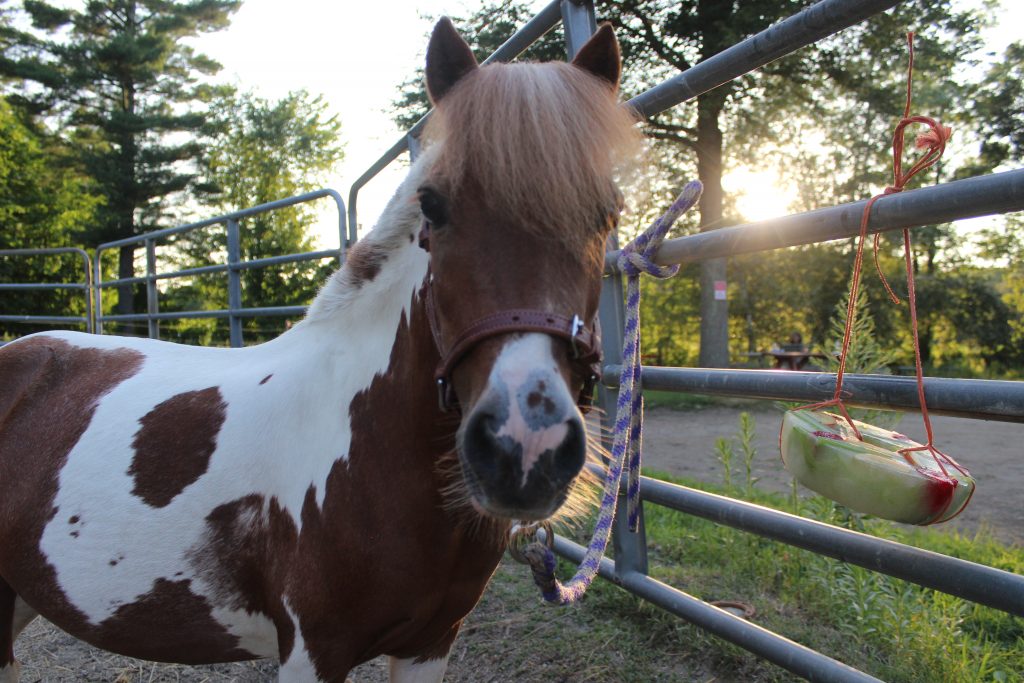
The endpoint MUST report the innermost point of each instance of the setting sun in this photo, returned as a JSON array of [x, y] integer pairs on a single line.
[[758, 194]]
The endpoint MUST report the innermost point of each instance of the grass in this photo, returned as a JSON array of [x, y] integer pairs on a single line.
[[892, 629]]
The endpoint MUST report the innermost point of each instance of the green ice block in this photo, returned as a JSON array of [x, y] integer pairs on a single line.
[[871, 476]]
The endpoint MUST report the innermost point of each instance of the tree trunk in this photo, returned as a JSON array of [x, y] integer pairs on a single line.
[[714, 17], [126, 210], [714, 308], [125, 269]]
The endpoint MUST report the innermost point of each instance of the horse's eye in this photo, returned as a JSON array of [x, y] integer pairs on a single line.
[[433, 206]]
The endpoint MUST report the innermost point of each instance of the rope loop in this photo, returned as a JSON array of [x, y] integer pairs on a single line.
[[636, 258]]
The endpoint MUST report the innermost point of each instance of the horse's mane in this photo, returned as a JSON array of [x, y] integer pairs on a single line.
[[542, 140]]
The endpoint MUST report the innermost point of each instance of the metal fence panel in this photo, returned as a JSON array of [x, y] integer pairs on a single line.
[[235, 312], [85, 285]]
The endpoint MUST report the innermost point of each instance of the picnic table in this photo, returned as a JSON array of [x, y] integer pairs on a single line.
[[792, 359]]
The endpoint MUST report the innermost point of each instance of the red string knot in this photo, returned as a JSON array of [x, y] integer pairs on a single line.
[[935, 136]]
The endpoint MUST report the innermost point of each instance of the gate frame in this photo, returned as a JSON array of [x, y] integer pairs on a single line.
[[235, 311], [85, 285]]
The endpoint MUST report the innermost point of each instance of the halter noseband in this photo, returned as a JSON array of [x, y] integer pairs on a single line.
[[584, 340]]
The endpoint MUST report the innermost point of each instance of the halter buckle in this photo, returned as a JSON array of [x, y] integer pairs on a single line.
[[574, 329]]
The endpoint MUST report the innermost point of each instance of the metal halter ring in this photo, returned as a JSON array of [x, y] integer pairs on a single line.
[[523, 535], [576, 328]]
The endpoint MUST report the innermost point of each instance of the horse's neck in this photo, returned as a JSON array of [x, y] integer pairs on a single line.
[[367, 329]]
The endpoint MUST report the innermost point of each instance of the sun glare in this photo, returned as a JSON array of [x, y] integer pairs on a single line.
[[758, 193]]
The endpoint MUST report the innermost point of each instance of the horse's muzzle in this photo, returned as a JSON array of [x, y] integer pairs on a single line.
[[521, 453]]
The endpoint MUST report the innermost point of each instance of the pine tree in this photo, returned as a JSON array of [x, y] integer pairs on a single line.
[[119, 78], [866, 354]]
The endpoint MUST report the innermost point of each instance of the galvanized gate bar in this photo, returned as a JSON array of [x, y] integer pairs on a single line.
[[42, 285], [983, 399], [219, 313], [812, 24], [978, 583], [239, 215], [234, 284], [223, 267], [544, 21], [233, 268], [48, 319], [967, 198], [794, 657], [152, 295], [86, 285]]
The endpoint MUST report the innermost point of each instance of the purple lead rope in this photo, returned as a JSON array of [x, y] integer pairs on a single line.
[[635, 258]]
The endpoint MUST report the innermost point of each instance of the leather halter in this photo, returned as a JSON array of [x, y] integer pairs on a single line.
[[584, 339]]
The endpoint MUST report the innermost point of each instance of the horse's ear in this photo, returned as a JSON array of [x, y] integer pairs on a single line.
[[600, 56], [448, 59]]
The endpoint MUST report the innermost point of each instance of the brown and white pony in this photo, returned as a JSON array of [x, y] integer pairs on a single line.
[[291, 500]]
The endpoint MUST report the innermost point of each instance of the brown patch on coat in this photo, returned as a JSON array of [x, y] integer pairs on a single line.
[[51, 390], [188, 632], [244, 556], [266, 379], [174, 444], [381, 567], [364, 261]]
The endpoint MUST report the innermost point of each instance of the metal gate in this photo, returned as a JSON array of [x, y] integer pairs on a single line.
[[235, 311], [984, 399], [84, 285]]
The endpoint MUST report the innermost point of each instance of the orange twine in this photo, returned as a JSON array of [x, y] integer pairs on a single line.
[[934, 142]]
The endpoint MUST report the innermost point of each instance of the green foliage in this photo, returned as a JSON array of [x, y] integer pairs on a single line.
[[726, 453], [41, 203], [965, 318], [120, 79], [999, 109], [1009, 245], [261, 151], [865, 354]]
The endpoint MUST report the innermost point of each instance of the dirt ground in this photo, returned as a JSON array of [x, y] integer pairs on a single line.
[[677, 442]]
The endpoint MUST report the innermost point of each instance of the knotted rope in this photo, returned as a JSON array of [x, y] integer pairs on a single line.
[[635, 258]]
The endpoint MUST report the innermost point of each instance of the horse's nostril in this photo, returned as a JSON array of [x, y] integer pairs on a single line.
[[572, 452], [481, 429]]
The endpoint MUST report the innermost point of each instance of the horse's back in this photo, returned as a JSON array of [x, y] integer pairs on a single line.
[[51, 387]]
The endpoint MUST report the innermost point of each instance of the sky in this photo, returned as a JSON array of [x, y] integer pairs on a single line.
[[357, 54]]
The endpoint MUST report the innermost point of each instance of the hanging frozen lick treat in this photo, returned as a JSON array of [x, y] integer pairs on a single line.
[[872, 470], [875, 473]]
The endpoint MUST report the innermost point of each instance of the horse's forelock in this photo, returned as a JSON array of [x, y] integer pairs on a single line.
[[544, 142]]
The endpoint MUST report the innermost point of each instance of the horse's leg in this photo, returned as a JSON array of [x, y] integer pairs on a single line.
[[15, 615], [414, 670]]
